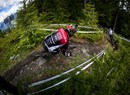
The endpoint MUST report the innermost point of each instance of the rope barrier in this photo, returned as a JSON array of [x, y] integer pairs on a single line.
[[122, 38], [89, 31], [62, 25], [57, 76], [110, 71], [46, 29], [78, 72], [50, 86], [77, 31]]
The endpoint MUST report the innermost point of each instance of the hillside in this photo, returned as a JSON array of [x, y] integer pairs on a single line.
[[95, 77], [59, 63], [98, 65], [45, 67]]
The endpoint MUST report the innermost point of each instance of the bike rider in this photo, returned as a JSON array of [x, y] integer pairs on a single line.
[[111, 36], [59, 41]]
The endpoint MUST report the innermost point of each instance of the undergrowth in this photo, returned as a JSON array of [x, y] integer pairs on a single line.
[[108, 75], [17, 44]]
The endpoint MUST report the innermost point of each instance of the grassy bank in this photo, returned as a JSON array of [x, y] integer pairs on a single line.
[[108, 75], [18, 44]]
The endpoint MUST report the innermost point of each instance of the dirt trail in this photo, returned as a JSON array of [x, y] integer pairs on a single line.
[[43, 67], [14, 70]]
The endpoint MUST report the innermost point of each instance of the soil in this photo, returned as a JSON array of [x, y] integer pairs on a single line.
[[39, 67]]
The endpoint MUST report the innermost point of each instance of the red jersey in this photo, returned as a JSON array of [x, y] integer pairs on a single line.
[[56, 40]]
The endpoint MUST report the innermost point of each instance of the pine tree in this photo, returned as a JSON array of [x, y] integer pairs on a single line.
[[39, 6], [61, 11], [110, 10], [90, 16], [1, 34], [28, 16]]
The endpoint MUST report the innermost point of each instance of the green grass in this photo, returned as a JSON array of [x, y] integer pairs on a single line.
[[95, 81], [48, 72], [20, 42], [90, 37], [92, 81]]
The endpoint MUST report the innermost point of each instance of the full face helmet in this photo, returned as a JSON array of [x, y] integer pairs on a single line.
[[71, 29]]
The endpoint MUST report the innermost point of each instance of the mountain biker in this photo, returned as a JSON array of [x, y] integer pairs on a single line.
[[59, 41], [111, 36]]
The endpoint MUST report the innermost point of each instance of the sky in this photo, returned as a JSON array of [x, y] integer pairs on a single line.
[[8, 7]]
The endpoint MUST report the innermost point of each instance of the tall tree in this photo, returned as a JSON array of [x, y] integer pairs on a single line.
[[111, 11], [90, 16], [1, 34], [39, 6], [27, 16], [61, 10]]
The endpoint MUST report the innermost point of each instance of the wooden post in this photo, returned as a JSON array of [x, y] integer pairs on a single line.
[[115, 21]]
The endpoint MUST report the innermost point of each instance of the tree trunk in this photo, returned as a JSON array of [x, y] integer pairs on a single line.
[[115, 21], [85, 1]]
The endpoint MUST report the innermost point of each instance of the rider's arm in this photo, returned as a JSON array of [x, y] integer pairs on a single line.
[[65, 50]]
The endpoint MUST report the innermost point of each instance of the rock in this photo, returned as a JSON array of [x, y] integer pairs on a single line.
[[31, 69], [41, 61], [12, 57], [85, 52], [17, 55], [21, 72]]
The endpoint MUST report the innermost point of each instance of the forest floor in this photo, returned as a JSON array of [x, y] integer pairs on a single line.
[[38, 68]]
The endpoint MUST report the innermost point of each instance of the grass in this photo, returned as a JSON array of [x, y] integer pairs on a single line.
[[90, 37], [18, 43], [47, 72], [98, 80], [92, 81]]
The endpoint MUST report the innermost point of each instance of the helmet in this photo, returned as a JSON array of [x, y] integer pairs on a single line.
[[71, 29]]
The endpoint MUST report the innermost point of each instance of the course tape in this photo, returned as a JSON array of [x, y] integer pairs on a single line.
[[57, 76], [78, 72], [77, 31], [110, 71], [62, 25], [122, 38], [89, 31], [50, 86]]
